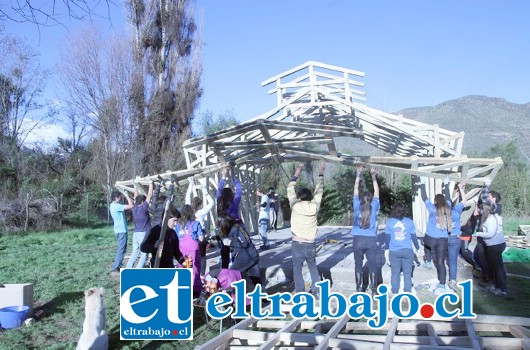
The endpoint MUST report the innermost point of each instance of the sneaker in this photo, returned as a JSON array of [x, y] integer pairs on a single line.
[[500, 293], [440, 289], [428, 265], [453, 285], [115, 273]]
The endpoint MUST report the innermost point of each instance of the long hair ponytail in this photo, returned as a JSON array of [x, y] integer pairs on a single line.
[[443, 212], [366, 209]]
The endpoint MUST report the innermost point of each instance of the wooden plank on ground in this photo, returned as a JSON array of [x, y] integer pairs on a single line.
[[271, 342], [520, 332], [224, 338], [391, 333], [333, 332], [472, 335]]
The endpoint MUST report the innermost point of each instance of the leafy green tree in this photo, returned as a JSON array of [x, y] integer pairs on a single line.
[[207, 123], [513, 180]]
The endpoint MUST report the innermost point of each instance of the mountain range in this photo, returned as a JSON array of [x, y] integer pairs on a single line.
[[486, 121]]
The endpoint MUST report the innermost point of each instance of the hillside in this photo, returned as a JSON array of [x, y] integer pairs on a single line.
[[486, 121]]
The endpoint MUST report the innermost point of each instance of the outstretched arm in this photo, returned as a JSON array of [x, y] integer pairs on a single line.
[[423, 191], [130, 203], [149, 192], [189, 192], [238, 192], [461, 189], [319, 188], [224, 178], [291, 193], [447, 193], [360, 169], [373, 172], [209, 202]]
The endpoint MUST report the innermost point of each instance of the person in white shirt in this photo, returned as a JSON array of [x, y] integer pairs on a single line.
[[264, 219]]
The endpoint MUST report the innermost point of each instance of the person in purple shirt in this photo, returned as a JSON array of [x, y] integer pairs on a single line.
[[400, 235], [228, 202], [142, 225], [364, 230]]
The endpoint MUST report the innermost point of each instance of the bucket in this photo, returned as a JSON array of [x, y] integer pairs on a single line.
[[13, 316]]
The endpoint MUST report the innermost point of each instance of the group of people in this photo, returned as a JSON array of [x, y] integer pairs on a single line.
[[445, 238], [187, 236]]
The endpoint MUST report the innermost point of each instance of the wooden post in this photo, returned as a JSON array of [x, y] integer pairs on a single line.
[[169, 204]]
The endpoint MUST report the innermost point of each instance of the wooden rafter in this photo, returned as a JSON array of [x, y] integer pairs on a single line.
[[317, 103]]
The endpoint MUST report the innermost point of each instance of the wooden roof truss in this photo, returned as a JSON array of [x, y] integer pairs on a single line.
[[316, 104]]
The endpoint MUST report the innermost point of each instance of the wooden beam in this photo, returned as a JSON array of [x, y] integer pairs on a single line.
[[519, 332], [333, 332], [391, 333], [475, 344], [271, 342]]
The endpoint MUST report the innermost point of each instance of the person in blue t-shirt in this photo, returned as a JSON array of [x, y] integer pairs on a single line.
[[438, 228], [364, 230], [400, 235], [454, 238], [117, 211]]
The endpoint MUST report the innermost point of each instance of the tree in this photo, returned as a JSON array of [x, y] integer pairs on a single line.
[[166, 82], [513, 180], [207, 123], [50, 12], [22, 81], [96, 75]]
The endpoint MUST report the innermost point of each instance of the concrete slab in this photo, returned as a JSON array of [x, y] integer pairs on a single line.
[[334, 259]]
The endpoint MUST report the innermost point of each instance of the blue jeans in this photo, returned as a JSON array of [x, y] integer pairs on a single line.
[[120, 251], [439, 249], [263, 229], [401, 261], [453, 250], [307, 252], [138, 238], [365, 245]]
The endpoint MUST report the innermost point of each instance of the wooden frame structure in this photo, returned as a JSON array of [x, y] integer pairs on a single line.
[[484, 332], [316, 104]]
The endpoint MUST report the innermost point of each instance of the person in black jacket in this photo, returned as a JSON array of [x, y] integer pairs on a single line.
[[171, 245], [157, 206], [245, 257]]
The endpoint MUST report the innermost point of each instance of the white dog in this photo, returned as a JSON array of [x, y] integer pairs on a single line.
[[94, 336]]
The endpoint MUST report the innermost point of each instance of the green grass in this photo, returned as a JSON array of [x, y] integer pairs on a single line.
[[61, 266], [518, 291], [510, 225]]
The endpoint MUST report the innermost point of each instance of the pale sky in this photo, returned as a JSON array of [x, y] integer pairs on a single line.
[[414, 53]]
